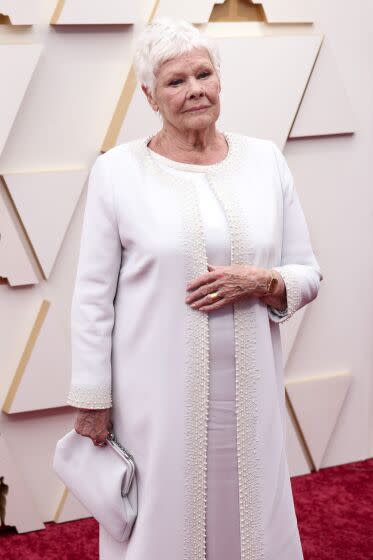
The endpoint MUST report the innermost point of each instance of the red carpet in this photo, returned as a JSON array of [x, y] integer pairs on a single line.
[[335, 512], [334, 509]]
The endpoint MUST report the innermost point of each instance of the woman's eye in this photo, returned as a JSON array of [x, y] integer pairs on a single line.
[[201, 75]]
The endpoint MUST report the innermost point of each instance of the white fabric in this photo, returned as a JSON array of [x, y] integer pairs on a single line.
[[223, 529], [134, 338]]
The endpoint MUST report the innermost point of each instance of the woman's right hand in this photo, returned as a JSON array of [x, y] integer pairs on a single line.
[[94, 423]]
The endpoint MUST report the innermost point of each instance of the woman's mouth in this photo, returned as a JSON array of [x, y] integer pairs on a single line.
[[200, 108]]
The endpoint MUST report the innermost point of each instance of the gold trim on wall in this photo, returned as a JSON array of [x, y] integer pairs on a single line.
[[124, 100], [237, 10], [5, 20], [120, 111], [57, 12], [60, 505], [305, 87], [35, 331], [297, 427], [22, 231], [294, 417]]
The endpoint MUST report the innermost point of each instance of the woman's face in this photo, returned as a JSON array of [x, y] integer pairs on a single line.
[[184, 83]]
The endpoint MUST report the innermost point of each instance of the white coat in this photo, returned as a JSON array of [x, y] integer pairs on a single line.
[[138, 347]]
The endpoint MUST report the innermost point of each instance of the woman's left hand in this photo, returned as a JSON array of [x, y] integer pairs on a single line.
[[232, 282]]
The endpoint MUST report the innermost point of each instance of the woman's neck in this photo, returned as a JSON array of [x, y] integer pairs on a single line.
[[201, 146]]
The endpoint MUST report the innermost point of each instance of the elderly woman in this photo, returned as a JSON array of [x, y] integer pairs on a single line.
[[194, 249]]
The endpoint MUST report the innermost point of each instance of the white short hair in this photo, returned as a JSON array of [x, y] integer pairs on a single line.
[[165, 38]]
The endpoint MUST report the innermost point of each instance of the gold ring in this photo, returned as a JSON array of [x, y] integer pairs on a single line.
[[213, 295]]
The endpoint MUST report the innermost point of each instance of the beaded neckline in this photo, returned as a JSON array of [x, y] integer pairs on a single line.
[[192, 166]]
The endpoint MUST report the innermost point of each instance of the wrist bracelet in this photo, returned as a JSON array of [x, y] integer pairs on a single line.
[[271, 286]]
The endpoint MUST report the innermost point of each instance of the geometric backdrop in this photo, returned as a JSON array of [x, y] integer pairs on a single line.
[[284, 85]]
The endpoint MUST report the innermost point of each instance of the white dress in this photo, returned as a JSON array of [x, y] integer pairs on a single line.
[[222, 514], [213, 480]]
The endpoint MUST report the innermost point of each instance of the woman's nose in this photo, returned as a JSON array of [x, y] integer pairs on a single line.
[[195, 89]]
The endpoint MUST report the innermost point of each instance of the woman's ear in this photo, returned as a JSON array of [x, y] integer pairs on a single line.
[[149, 97]]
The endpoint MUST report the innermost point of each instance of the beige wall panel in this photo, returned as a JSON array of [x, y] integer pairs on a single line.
[[317, 402], [20, 505], [280, 64], [325, 108], [47, 366], [132, 126], [263, 100], [195, 11], [15, 264], [69, 508], [97, 12], [31, 438], [21, 12], [18, 63], [287, 11], [46, 202]]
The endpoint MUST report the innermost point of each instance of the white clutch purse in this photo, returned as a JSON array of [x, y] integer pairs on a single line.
[[102, 478]]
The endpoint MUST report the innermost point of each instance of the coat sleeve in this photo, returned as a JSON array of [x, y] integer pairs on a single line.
[[92, 309], [299, 267]]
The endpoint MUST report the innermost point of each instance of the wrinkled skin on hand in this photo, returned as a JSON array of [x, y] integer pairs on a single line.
[[94, 423], [232, 282]]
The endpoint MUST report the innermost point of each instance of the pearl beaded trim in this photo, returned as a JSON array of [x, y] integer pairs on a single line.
[[85, 396], [292, 293], [247, 373], [221, 180]]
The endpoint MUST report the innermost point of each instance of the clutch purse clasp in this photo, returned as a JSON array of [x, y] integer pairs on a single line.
[[127, 457]]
